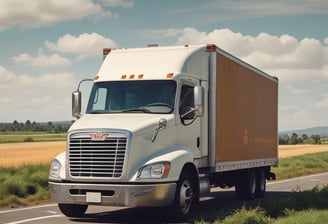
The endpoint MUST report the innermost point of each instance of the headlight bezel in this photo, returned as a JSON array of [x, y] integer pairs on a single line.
[[55, 168], [158, 170]]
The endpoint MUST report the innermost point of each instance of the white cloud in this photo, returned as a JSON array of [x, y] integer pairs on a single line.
[[13, 82], [295, 90], [285, 56], [257, 8], [118, 3], [7, 77], [84, 46], [37, 13], [161, 33], [323, 103], [38, 98], [42, 60]]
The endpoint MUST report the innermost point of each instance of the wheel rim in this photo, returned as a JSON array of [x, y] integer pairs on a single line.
[[262, 182], [186, 196], [252, 184]]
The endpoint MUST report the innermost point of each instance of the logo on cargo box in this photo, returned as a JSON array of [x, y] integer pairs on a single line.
[[99, 136]]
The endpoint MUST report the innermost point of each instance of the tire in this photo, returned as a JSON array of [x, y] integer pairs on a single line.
[[246, 185], [260, 183], [186, 198], [73, 210]]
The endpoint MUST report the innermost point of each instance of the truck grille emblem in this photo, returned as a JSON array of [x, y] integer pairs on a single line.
[[98, 136]]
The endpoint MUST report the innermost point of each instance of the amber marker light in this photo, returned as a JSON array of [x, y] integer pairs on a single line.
[[167, 167], [131, 76], [140, 76], [106, 51], [211, 47], [123, 77], [96, 77], [169, 75]]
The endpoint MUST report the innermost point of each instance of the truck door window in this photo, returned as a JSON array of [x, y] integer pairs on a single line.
[[100, 99], [187, 103]]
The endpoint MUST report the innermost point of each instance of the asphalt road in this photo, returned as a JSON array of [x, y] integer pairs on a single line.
[[217, 199]]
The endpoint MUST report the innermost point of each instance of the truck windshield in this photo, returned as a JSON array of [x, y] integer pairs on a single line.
[[146, 96]]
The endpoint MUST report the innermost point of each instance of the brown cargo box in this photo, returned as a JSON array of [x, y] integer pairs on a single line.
[[246, 112]]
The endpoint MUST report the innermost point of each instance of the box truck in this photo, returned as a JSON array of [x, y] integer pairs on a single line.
[[163, 125]]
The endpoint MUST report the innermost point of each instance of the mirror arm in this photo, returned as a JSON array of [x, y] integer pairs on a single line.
[[83, 80], [188, 112], [77, 100]]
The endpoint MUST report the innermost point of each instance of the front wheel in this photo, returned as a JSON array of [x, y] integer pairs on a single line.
[[185, 197], [73, 210]]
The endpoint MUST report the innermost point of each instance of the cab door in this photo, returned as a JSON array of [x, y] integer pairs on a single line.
[[188, 124]]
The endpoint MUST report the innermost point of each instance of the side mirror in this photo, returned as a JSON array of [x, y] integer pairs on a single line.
[[76, 104], [199, 100]]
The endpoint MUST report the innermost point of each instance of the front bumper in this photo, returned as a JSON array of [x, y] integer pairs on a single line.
[[148, 195]]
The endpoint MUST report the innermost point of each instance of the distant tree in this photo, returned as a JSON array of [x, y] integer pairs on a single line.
[[293, 139], [316, 139], [305, 137], [15, 126], [283, 139], [300, 140], [27, 125], [50, 127]]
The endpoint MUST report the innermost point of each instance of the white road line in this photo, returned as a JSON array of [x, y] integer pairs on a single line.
[[27, 208], [52, 212], [34, 219]]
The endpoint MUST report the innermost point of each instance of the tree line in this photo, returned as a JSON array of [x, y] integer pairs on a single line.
[[295, 139], [50, 127]]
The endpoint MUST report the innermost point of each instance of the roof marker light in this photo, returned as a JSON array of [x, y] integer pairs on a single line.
[[123, 77], [131, 76], [96, 77], [140, 76], [169, 75], [106, 51], [210, 47]]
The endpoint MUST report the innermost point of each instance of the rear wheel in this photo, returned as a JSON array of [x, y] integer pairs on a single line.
[[260, 183], [246, 185], [73, 210]]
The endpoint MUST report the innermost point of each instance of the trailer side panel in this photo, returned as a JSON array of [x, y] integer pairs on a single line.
[[246, 113]]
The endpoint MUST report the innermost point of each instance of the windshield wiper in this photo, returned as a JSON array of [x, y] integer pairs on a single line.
[[97, 112], [140, 109]]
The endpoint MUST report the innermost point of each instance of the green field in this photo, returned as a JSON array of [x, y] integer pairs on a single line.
[[14, 137]]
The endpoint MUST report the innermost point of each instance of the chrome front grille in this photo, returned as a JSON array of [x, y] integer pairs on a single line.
[[97, 155]]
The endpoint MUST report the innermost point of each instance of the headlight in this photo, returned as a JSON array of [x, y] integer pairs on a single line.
[[158, 170], [55, 169]]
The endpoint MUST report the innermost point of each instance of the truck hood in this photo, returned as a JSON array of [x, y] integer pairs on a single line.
[[131, 122]]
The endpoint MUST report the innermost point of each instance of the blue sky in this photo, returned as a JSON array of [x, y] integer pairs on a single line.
[[46, 47]]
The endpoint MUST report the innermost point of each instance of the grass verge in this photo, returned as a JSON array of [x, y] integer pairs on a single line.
[[301, 165], [24, 185], [306, 207]]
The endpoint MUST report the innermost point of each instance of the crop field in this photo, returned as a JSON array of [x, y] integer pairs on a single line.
[[18, 154], [297, 150]]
